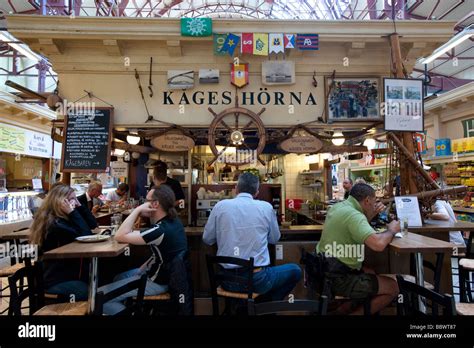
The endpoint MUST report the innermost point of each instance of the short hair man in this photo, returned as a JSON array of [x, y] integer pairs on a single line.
[[160, 176], [347, 185], [119, 195], [345, 234], [87, 208], [242, 227]]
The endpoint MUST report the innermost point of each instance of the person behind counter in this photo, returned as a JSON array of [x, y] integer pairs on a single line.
[[247, 225], [58, 222], [347, 224], [347, 185], [166, 239], [119, 195], [160, 176]]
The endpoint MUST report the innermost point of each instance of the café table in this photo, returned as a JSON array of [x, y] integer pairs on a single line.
[[419, 244], [108, 248], [442, 226], [23, 234]]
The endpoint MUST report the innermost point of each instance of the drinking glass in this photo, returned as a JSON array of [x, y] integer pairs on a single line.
[[404, 227]]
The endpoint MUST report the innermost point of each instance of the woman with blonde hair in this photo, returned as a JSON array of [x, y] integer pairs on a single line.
[[57, 222]]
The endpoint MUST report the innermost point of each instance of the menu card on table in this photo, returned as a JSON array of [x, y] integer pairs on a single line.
[[408, 208]]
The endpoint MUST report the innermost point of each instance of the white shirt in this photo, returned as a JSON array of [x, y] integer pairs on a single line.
[[113, 196], [445, 208], [242, 228]]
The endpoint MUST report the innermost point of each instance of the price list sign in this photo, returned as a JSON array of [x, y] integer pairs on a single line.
[[87, 141]]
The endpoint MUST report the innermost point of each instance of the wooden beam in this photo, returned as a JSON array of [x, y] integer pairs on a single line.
[[406, 172], [133, 148], [355, 49], [174, 48], [50, 46], [113, 47], [415, 165]]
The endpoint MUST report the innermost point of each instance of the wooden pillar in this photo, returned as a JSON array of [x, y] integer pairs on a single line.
[[407, 175]]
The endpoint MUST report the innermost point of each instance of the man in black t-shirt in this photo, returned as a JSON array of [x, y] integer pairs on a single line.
[[160, 176], [166, 239]]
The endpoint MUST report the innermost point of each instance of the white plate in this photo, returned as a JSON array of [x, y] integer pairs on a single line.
[[93, 239]]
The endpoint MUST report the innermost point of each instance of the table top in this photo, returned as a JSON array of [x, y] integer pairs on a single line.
[[418, 243], [9, 227], [109, 248], [296, 229], [23, 234], [443, 226], [100, 214]]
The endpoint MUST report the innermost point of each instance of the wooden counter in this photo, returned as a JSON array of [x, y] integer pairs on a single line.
[[292, 230], [463, 210]]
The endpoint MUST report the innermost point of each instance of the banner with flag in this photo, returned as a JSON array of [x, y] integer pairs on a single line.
[[230, 43], [246, 45], [239, 74], [260, 44], [275, 43], [219, 40], [196, 27], [289, 40], [307, 41]]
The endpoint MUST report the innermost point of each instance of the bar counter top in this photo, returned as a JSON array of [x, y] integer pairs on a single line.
[[296, 229]]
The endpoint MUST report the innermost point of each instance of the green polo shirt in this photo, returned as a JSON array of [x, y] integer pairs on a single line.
[[345, 230]]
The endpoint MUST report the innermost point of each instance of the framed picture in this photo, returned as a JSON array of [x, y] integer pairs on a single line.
[[403, 105], [353, 99]]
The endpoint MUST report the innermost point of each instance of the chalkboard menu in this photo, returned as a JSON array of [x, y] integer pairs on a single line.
[[87, 140]]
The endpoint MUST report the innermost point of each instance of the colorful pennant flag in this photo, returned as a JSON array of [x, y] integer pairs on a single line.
[[246, 45], [196, 27], [239, 74], [219, 40], [230, 43], [289, 40], [260, 44], [275, 43], [307, 41]]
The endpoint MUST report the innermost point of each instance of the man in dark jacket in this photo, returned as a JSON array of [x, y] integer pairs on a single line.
[[87, 208]]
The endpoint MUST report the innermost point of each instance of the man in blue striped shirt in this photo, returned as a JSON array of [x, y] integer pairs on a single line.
[[242, 227]]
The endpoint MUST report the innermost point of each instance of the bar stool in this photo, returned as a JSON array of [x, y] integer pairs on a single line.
[[216, 278]]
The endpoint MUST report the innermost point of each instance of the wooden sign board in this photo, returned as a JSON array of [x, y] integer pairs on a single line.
[[300, 144], [87, 139], [173, 142]]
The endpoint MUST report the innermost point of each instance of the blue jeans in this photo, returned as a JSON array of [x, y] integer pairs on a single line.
[[273, 282], [116, 305], [79, 289]]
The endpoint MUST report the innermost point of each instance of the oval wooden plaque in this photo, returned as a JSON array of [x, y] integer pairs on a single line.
[[173, 142], [299, 144]]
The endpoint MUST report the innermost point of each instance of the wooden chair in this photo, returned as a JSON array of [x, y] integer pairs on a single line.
[[465, 308], [466, 270], [179, 300], [311, 307], [132, 307], [217, 277], [33, 291], [410, 300], [10, 270], [315, 278]]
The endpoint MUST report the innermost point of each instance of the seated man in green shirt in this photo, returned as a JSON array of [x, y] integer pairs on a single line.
[[345, 234]]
